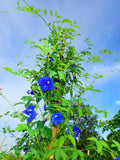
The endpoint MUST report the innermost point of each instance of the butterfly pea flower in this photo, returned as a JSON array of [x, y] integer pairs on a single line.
[[44, 107], [30, 112], [85, 117], [51, 59], [26, 150], [46, 83], [57, 118], [52, 95], [74, 105], [76, 130], [31, 92]]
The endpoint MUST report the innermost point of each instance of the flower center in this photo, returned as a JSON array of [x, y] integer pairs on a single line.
[[48, 82], [56, 116]]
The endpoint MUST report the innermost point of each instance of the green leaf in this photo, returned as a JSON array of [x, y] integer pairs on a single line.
[[63, 154], [45, 43], [29, 42], [71, 139], [18, 103], [67, 21], [51, 13], [20, 71], [57, 153], [1, 116], [105, 114], [77, 26], [52, 73], [19, 63], [61, 141], [81, 154], [99, 146], [92, 139], [27, 98], [9, 70], [79, 112], [31, 132], [50, 152], [61, 75], [45, 11], [105, 144], [37, 10], [21, 127], [117, 144], [6, 113], [27, 155]]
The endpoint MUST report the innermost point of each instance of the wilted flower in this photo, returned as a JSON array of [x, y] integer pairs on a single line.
[[57, 118], [30, 112], [76, 130], [46, 83]]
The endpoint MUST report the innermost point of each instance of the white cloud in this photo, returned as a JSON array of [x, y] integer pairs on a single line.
[[118, 102]]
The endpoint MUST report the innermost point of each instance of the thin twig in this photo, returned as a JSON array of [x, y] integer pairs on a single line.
[[2, 143]]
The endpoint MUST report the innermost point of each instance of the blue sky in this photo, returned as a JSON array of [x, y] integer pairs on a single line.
[[100, 22]]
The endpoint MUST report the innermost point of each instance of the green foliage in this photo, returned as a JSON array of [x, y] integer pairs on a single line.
[[66, 70]]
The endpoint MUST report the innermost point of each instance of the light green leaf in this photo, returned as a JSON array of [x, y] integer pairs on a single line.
[[27, 155], [31, 132], [105, 144], [81, 154], [37, 10], [9, 70], [18, 103], [45, 11], [57, 154], [77, 26], [29, 42], [92, 139], [52, 73], [105, 114], [71, 139], [117, 144], [61, 141], [20, 71], [45, 43], [67, 21], [79, 112], [51, 13], [21, 127], [61, 75], [99, 146]]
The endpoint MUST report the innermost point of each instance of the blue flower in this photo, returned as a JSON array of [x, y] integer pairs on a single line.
[[51, 59], [44, 107], [30, 112], [76, 130], [52, 95], [117, 158], [85, 117], [46, 83], [99, 156], [26, 149], [57, 118], [74, 106], [31, 92]]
